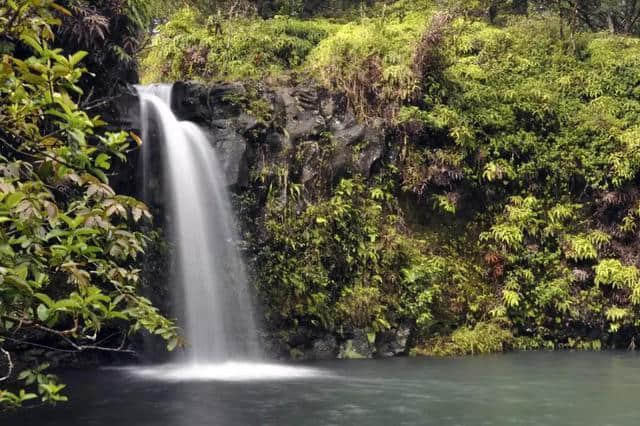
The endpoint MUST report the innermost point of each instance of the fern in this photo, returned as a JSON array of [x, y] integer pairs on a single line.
[[511, 298]]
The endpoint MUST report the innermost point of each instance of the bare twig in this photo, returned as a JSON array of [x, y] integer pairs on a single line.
[[76, 348], [63, 334], [9, 365], [39, 155]]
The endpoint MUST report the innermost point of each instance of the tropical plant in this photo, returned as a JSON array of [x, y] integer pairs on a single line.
[[69, 245]]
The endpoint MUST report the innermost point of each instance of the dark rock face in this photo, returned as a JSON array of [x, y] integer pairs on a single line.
[[290, 120], [310, 344], [231, 148], [393, 342], [323, 348]]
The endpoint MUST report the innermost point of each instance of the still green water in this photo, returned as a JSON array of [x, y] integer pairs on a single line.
[[554, 388]]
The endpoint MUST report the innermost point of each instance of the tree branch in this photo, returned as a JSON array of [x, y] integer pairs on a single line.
[[10, 365], [62, 334], [76, 348]]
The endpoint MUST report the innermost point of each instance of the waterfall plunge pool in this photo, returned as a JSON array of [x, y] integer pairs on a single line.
[[537, 388]]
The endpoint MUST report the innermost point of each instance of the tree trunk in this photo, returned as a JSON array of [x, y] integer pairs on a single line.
[[520, 6], [611, 22]]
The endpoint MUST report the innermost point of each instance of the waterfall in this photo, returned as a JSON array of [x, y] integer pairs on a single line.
[[209, 280], [209, 277]]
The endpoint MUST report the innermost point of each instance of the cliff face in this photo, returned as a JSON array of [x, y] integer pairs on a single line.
[[255, 127]]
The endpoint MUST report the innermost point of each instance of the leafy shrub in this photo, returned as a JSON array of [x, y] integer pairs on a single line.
[[187, 48], [539, 127], [69, 245], [371, 61], [338, 262], [483, 338]]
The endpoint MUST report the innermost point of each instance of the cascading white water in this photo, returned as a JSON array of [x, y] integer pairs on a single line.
[[217, 311]]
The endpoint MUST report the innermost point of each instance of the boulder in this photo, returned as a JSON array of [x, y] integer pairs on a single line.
[[324, 348], [357, 346], [393, 342], [199, 103]]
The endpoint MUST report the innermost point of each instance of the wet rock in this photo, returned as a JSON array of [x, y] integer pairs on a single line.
[[301, 118], [232, 150], [302, 115], [341, 122], [189, 101], [393, 342], [310, 160], [307, 98], [349, 136], [124, 111], [358, 346], [373, 149], [324, 348], [310, 344], [276, 142], [274, 347], [327, 108], [196, 102]]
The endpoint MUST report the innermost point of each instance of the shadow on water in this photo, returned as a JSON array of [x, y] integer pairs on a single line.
[[560, 388]]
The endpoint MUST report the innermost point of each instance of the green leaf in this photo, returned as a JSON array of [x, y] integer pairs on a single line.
[[102, 161], [18, 283], [171, 345], [44, 299], [77, 57], [43, 312], [32, 42], [13, 199]]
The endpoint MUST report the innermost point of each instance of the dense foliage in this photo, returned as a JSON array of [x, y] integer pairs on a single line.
[[343, 261], [192, 47], [509, 218], [69, 244], [541, 133]]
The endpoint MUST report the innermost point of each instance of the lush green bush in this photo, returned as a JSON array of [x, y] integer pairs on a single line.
[[483, 338], [371, 61], [539, 133], [192, 47], [341, 262], [69, 245]]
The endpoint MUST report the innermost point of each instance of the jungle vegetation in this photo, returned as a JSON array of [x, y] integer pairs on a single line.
[[69, 244], [508, 220]]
